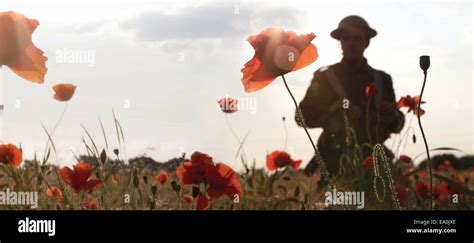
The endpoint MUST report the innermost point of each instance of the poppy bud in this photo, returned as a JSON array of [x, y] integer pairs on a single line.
[[195, 191], [424, 63]]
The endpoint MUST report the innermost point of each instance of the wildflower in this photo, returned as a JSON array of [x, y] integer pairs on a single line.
[[421, 189], [222, 180], [370, 90], [78, 178], [89, 204], [64, 92], [203, 202], [405, 159], [188, 198], [368, 162], [280, 159], [228, 105], [193, 172], [277, 52], [55, 193], [411, 103], [10, 154], [162, 177], [17, 49]]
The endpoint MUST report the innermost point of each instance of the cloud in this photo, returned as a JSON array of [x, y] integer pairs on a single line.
[[211, 21]]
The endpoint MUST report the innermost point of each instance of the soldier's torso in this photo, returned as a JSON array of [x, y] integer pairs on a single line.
[[353, 82]]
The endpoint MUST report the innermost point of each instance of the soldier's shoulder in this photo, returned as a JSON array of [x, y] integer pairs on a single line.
[[383, 74], [324, 69]]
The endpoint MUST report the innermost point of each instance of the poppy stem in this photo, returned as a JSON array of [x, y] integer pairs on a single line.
[[319, 159], [54, 129], [60, 119], [241, 145], [424, 140]]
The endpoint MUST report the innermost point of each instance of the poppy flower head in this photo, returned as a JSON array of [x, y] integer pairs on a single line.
[[10, 154], [63, 92], [228, 105], [411, 103], [421, 190], [222, 180], [193, 172], [280, 159], [277, 52], [79, 177], [89, 203], [55, 192], [370, 90], [405, 159], [203, 202], [188, 198], [162, 177], [368, 162], [17, 49], [401, 193]]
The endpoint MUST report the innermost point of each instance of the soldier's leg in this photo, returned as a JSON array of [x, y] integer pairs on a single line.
[[330, 157]]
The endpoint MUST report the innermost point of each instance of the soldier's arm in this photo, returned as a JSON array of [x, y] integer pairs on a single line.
[[389, 96], [316, 102]]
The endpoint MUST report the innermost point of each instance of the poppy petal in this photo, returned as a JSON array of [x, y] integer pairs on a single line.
[[82, 172], [296, 164], [31, 65], [203, 202], [256, 76], [308, 56], [92, 184], [67, 175]]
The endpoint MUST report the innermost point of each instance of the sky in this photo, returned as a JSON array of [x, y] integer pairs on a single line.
[[161, 66]]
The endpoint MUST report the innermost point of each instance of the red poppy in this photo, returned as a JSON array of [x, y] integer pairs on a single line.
[[443, 189], [401, 193], [63, 92], [368, 163], [194, 171], [411, 103], [421, 190], [370, 90], [10, 154], [280, 159], [203, 202], [277, 52], [445, 166], [55, 192], [228, 105], [188, 198], [78, 178], [89, 203], [405, 159], [162, 177], [222, 180], [17, 49]]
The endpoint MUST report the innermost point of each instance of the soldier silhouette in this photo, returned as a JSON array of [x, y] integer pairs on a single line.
[[322, 105]]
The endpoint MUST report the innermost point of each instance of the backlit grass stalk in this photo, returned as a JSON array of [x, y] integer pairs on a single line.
[[379, 151]]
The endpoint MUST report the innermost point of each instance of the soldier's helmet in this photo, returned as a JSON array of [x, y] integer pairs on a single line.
[[351, 22]]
